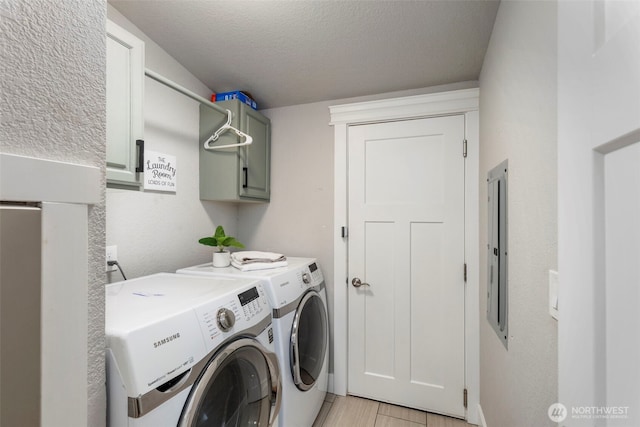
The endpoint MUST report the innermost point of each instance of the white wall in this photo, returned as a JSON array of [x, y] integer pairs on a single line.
[[518, 122], [53, 107], [299, 219], [157, 231]]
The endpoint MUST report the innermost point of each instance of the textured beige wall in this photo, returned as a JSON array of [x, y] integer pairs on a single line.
[[53, 107], [518, 122], [299, 219], [157, 231]]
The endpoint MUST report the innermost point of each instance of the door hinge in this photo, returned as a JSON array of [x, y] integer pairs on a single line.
[[464, 398], [464, 148], [465, 272], [345, 232]]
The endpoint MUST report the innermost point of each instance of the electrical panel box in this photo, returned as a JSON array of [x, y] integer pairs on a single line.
[[497, 283]]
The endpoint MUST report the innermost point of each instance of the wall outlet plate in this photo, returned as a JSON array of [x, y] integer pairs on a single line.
[[112, 255], [553, 293]]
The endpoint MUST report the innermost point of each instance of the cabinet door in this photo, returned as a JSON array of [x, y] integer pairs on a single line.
[[239, 173], [219, 168], [125, 91], [256, 158]]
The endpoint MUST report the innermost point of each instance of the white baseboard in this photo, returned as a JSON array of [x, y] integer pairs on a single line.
[[481, 421]]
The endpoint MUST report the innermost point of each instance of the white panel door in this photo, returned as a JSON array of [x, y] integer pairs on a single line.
[[599, 210], [622, 248], [406, 241]]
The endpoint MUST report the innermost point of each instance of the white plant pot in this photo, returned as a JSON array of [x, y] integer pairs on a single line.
[[221, 259]]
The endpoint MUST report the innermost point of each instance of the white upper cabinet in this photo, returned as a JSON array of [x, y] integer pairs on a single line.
[[125, 119]]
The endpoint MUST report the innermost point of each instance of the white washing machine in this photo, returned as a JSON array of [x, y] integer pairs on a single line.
[[190, 351], [299, 299]]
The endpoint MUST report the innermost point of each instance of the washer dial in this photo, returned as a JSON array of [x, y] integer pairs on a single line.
[[226, 319]]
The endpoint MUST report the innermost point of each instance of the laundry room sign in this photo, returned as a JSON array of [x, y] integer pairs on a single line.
[[160, 172]]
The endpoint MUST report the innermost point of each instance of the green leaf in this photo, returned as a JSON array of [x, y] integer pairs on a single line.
[[219, 234], [231, 241], [209, 241]]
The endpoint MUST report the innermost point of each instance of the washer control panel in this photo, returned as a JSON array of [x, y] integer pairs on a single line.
[[251, 302], [226, 319], [235, 313]]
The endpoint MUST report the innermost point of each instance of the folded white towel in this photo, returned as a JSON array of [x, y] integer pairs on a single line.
[[251, 257], [258, 265]]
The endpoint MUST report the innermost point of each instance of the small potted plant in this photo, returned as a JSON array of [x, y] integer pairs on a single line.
[[221, 257]]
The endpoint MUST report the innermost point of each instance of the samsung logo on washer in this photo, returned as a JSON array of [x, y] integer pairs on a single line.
[[166, 340]]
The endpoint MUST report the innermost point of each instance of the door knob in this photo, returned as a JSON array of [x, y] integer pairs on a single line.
[[356, 282]]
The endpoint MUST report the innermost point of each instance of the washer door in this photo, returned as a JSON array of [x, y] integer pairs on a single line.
[[309, 339], [239, 387]]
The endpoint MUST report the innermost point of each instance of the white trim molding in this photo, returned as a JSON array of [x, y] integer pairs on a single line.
[[64, 191], [29, 179], [436, 104], [464, 102], [481, 421]]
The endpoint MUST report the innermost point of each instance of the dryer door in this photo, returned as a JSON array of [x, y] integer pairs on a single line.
[[309, 339], [239, 387]]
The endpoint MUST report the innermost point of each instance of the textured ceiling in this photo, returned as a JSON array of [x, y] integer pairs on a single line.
[[296, 52]]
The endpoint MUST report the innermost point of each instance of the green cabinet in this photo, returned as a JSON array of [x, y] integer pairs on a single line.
[[125, 96], [239, 174]]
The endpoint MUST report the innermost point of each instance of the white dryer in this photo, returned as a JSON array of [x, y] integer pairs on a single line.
[[190, 351], [299, 299]]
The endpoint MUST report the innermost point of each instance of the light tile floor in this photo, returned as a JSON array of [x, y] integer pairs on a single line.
[[350, 411]]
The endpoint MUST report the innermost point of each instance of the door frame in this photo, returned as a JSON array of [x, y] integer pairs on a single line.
[[460, 102]]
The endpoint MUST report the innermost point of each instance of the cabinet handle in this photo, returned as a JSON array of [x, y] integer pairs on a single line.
[[245, 182], [140, 145]]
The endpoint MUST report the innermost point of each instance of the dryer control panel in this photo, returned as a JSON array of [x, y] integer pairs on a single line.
[[315, 273], [309, 276], [287, 284]]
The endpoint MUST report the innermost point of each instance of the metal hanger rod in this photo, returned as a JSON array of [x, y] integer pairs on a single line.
[[207, 144], [157, 77]]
